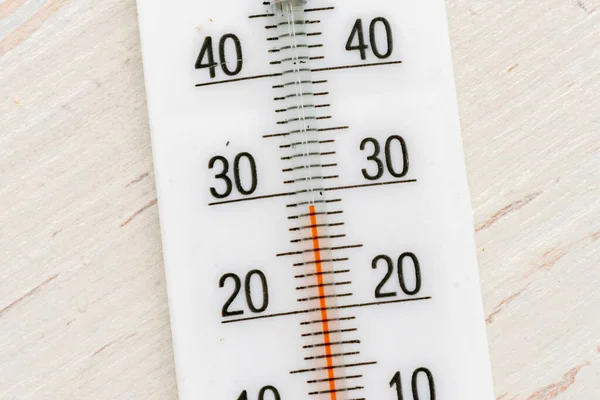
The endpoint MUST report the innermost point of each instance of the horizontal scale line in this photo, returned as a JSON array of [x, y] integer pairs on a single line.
[[318, 321], [333, 260], [318, 213], [336, 68], [301, 371], [337, 128], [261, 16], [300, 228], [269, 196], [351, 353], [304, 203], [369, 185], [328, 332], [293, 253], [319, 9], [324, 285], [318, 237], [334, 272], [327, 344], [375, 303], [335, 379], [337, 390], [328, 296], [356, 66], [248, 78], [286, 194]]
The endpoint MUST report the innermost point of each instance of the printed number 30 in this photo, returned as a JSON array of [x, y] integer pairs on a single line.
[[389, 157]]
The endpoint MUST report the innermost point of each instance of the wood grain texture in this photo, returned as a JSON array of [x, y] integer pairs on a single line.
[[83, 305]]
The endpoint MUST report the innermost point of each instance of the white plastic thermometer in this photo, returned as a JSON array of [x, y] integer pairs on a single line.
[[318, 236]]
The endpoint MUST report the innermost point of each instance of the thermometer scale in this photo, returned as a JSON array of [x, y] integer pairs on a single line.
[[317, 230]]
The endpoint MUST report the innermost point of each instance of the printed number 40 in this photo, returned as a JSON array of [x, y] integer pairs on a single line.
[[206, 58], [358, 35]]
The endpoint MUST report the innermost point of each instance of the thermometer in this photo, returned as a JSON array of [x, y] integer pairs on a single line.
[[317, 230]]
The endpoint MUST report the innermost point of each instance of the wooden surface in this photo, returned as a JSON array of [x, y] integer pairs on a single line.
[[83, 305]]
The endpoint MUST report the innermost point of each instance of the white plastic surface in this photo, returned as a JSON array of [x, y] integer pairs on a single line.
[[330, 219]]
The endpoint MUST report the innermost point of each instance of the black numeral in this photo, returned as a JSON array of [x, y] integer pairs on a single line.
[[431, 383], [222, 175], [262, 394], [250, 299], [388, 35], [236, 175], [390, 270], [373, 157], [401, 279], [396, 383], [357, 34], [416, 266], [239, 62], [268, 389], [265, 291], [225, 312], [389, 157], [243, 395], [207, 52]]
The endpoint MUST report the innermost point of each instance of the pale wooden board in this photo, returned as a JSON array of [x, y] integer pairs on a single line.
[[83, 305]]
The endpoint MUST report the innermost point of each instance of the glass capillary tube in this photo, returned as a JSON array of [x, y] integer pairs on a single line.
[[305, 162], [300, 109]]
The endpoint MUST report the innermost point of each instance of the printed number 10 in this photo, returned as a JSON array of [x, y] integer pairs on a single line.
[[396, 383]]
